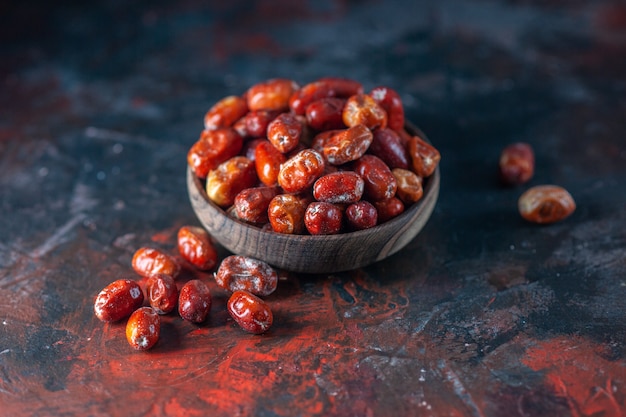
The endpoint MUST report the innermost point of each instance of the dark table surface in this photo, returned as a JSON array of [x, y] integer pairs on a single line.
[[483, 314]]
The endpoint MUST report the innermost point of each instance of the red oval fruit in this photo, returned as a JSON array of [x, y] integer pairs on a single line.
[[143, 328], [250, 312], [339, 187], [321, 218], [545, 204], [194, 245], [244, 273], [118, 300], [162, 293], [194, 301], [148, 262]]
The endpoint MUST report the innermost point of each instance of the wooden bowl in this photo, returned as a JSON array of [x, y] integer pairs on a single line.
[[315, 254]]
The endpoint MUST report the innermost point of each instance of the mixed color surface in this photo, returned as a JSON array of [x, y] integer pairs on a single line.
[[483, 314]]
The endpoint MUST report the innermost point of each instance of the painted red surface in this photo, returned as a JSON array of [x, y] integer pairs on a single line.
[[577, 370]]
